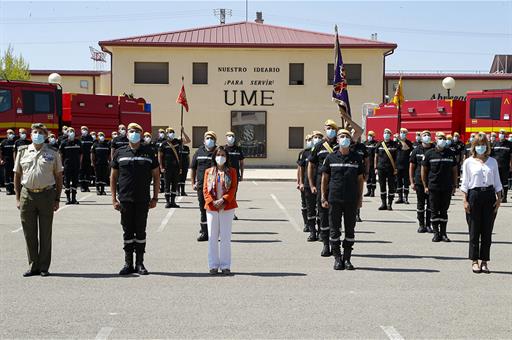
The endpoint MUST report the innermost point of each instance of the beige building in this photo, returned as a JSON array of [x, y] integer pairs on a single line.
[[422, 86], [269, 84], [77, 81]]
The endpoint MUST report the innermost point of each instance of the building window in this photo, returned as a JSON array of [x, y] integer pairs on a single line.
[[84, 84], [296, 74], [296, 137], [151, 73], [198, 135], [37, 102], [5, 100], [250, 127], [485, 108], [352, 71], [200, 73]]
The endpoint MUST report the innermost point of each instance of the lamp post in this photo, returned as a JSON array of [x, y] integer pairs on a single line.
[[448, 84]]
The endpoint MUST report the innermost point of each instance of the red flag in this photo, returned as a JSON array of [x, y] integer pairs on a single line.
[[182, 98]]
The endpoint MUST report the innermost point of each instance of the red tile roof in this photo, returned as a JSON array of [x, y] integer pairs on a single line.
[[245, 34], [68, 72], [471, 76]]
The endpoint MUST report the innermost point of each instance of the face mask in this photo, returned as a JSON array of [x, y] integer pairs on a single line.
[[230, 140], [316, 140], [418, 138], [52, 140], [102, 138], [493, 139], [331, 133], [471, 139], [71, 135], [23, 135], [134, 137], [93, 137], [10, 136], [441, 143], [147, 139], [161, 135], [455, 139], [37, 138], [403, 135], [480, 149], [510, 139], [448, 142], [114, 135], [84, 133], [209, 143], [122, 132], [170, 135], [387, 136], [220, 160], [501, 136], [425, 139], [370, 138], [344, 142], [309, 144]]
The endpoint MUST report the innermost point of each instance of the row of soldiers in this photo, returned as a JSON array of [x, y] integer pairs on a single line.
[[331, 174]]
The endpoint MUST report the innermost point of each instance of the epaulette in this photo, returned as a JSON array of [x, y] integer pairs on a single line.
[[23, 147]]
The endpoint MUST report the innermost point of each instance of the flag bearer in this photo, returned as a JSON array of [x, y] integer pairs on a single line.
[[423, 210], [134, 167], [319, 152], [302, 162], [439, 177], [385, 163], [402, 165], [100, 156], [7, 160], [170, 167], [341, 193], [85, 168], [502, 151], [201, 161], [371, 147], [71, 153]]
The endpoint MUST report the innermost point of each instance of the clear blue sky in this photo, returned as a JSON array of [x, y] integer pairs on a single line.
[[431, 35]]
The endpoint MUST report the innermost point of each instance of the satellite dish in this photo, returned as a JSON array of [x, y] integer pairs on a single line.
[[55, 78]]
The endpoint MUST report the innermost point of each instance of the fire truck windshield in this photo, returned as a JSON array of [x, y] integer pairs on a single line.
[[5, 100]]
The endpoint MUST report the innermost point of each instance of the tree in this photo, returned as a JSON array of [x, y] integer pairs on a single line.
[[13, 67]]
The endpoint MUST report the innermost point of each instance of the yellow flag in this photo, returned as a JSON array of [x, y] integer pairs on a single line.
[[398, 99]]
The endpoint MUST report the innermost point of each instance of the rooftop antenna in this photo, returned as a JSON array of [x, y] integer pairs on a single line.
[[221, 14], [98, 57]]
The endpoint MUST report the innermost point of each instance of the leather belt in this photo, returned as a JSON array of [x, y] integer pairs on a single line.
[[489, 188], [36, 191]]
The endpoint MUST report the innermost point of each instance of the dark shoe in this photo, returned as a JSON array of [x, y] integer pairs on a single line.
[[390, 207], [368, 194], [75, 202], [140, 269], [202, 237], [406, 201], [184, 194], [484, 268], [504, 199], [173, 205], [373, 193], [476, 268], [429, 229], [45, 273], [9, 193], [127, 269], [69, 202], [348, 265], [358, 218], [214, 271], [422, 230], [383, 206], [338, 263], [445, 238], [436, 238], [312, 237], [306, 229], [29, 273], [235, 218], [168, 205], [326, 251], [226, 272], [399, 201]]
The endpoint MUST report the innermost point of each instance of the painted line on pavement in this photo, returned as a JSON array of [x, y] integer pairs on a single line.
[[255, 183], [285, 212], [104, 333], [80, 199], [17, 230], [392, 333], [168, 217]]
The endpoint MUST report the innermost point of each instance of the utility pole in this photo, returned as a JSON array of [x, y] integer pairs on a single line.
[[221, 14]]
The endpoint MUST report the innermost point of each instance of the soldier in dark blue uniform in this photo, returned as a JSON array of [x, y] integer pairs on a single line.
[[158, 142], [458, 148], [417, 141], [439, 177], [423, 210], [371, 147], [7, 160], [402, 165], [85, 168], [342, 193], [201, 161], [134, 167], [467, 146], [100, 156], [385, 163], [71, 153], [170, 166], [301, 182], [502, 151], [318, 154], [119, 140], [21, 141], [236, 156], [53, 142], [184, 153], [148, 140], [361, 149], [63, 136]]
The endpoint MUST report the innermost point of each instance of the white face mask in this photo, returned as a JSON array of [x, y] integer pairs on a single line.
[[370, 138], [93, 137], [316, 140], [230, 140], [309, 144], [170, 135], [122, 132], [161, 135], [23, 135], [71, 135], [102, 138], [52, 140], [220, 160], [10, 136], [147, 139], [84, 133]]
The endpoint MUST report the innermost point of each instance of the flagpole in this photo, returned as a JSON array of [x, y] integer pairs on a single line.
[[181, 130]]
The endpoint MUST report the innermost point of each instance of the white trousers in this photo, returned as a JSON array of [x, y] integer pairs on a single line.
[[219, 224]]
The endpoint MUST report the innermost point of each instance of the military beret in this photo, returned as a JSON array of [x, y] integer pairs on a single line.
[[343, 132], [169, 130], [84, 128], [9, 131], [387, 130], [40, 126], [331, 123], [317, 133], [425, 132], [211, 134], [440, 134], [404, 130], [230, 133], [134, 126]]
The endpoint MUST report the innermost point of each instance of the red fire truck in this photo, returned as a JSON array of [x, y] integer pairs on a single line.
[[23, 103], [487, 111]]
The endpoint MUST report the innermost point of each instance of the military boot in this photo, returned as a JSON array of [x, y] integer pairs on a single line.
[[68, 197], [437, 235], [173, 201], [406, 196], [368, 192], [383, 206], [203, 234], [400, 197], [326, 251], [305, 219], [347, 253], [444, 237], [313, 237], [373, 193], [128, 263], [338, 260], [390, 202], [139, 263], [73, 197], [168, 201]]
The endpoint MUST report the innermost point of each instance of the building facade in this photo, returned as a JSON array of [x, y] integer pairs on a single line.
[[77, 81]]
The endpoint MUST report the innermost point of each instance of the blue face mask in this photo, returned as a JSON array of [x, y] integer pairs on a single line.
[[441, 143], [37, 138], [448, 142], [344, 142], [510, 139], [309, 144], [370, 138], [480, 149], [471, 139], [330, 133], [425, 139], [387, 136], [403, 135], [134, 137], [10, 136], [209, 143]]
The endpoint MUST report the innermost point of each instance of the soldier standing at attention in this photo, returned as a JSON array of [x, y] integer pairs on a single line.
[[7, 160], [100, 156], [417, 141], [467, 147], [158, 142], [119, 140], [38, 183], [301, 166], [170, 166], [439, 177], [52, 142], [502, 151], [385, 163], [85, 168], [360, 148], [423, 210], [342, 194], [458, 148], [134, 166], [319, 153], [71, 153], [185, 163], [22, 140], [402, 165], [371, 146], [236, 157], [201, 161], [148, 140], [63, 136]]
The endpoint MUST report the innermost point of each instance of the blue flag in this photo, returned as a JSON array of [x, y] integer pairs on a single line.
[[339, 90]]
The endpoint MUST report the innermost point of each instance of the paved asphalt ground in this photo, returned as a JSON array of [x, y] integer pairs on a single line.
[[405, 286]]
